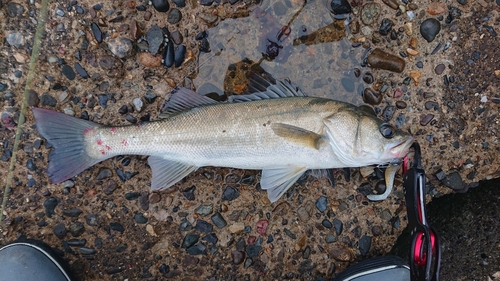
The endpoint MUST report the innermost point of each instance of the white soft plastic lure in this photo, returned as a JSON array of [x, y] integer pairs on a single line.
[[278, 130]]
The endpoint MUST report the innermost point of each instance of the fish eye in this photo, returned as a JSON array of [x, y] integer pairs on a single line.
[[387, 130]]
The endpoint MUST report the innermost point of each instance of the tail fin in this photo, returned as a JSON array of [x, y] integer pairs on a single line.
[[66, 134]]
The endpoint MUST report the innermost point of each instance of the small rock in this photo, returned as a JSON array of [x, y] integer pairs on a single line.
[[177, 37], [15, 39], [436, 8], [218, 220], [60, 230], [253, 250], [262, 227], [140, 218], [382, 60], [340, 253], [326, 223], [110, 187], [189, 193], [370, 13], [439, 69], [321, 203], [50, 205], [237, 256], [338, 225], [425, 119], [230, 193], [87, 251], [197, 249], [179, 55], [33, 99], [206, 2], [340, 7], [161, 5], [237, 228], [330, 238], [386, 26], [415, 75], [204, 210], [91, 219], [73, 212], [149, 60], [455, 182], [371, 97], [154, 36], [203, 226], [120, 47], [76, 229], [429, 29], [137, 102], [104, 174], [174, 16], [348, 84], [364, 244], [179, 3], [15, 9], [117, 227], [81, 71], [394, 4], [189, 240], [97, 32]]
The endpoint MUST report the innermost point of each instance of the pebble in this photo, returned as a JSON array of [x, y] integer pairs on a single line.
[[371, 97], [425, 119], [218, 220], [76, 229], [77, 242], [120, 47], [348, 84], [149, 60], [161, 5], [364, 244], [382, 60], [237, 256], [211, 238], [87, 251], [237, 228], [338, 225], [179, 55], [401, 104], [204, 210], [137, 102], [376, 231], [189, 193], [130, 118], [117, 227], [73, 212], [154, 36], [3, 87], [14, 9], [248, 262], [205, 45], [50, 205], [189, 240], [455, 182], [368, 78], [140, 218], [176, 36], [179, 3], [330, 238], [197, 249], [174, 16], [91, 219], [386, 26], [203, 226], [439, 69], [431, 105], [340, 253], [290, 234], [164, 269], [230, 193], [150, 97], [206, 2], [392, 3], [340, 7], [326, 223], [60, 231], [429, 29], [81, 71], [30, 164], [321, 203], [97, 32], [370, 13], [110, 187], [419, 64], [15, 39], [104, 174], [262, 227], [253, 250]]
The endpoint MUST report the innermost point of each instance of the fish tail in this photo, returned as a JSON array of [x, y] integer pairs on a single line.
[[67, 135]]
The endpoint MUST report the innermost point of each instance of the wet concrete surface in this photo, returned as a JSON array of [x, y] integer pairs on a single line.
[[108, 225]]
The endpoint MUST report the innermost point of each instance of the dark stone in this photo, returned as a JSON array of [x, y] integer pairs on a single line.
[[161, 5], [68, 72], [340, 7], [174, 16], [81, 71], [179, 3], [48, 100], [388, 113], [205, 45], [382, 60], [211, 238], [30, 164], [110, 187], [149, 97], [104, 174], [338, 225], [169, 54], [455, 182], [203, 226], [364, 244], [77, 242], [253, 250], [386, 26], [144, 200], [189, 193], [230, 193], [189, 240], [218, 220], [33, 99], [179, 55], [154, 36], [140, 218], [206, 2], [429, 29], [97, 32], [348, 84], [91, 219], [164, 269], [103, 100], [76, 229], [60, 231], [87, 251], [177, 37], [330, 238], [237, 256], [290, 234], [371, 97], [117, 227], [326, 223], [49, 205], [197, 249], [73, 212], [322, 203]]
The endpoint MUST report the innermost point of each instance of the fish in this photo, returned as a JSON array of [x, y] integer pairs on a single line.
[[277, 129]]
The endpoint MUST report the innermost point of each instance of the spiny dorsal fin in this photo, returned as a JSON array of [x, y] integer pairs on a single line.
[[297, 135], [181, 99], [262, 89]]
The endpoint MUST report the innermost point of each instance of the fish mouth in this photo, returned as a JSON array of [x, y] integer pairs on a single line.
[[400, 149]]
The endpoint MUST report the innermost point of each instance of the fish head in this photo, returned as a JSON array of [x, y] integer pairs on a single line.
[[359, 138]]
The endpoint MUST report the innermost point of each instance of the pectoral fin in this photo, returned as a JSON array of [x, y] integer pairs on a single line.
[[297, 135], [166, 173], [277, 181], [390, 173]]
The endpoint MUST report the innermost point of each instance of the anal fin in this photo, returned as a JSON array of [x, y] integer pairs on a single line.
[[166, 172], [277, 181]]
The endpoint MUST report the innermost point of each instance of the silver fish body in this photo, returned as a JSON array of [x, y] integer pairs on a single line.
[[283, 134]]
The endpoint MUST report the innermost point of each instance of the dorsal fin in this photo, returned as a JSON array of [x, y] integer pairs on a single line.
[[262, 89], [181, 99]]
